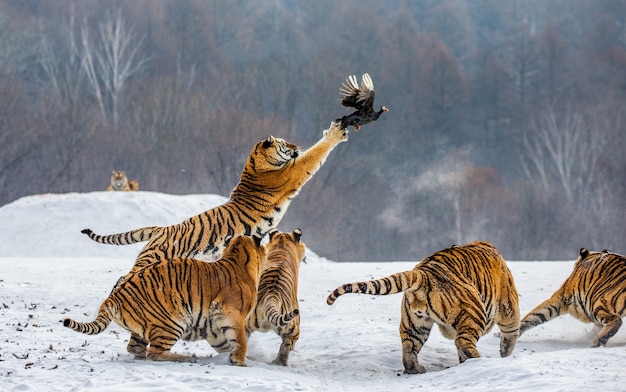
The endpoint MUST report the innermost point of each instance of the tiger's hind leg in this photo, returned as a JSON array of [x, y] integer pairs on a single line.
[[470, 323], [289, 338], [137, 346], [161, 342], [611, 324], [232, 326], [414, 330], [508, 340], [465, 341], [470, 326], [509, 324]]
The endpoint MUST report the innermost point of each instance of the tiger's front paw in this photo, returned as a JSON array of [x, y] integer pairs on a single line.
[[336, 133]]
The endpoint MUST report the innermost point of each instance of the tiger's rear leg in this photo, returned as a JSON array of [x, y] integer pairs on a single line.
[[286, 347], [508, 340], [465, 341], [509, 324], [414, 331], [611, 324], [233, 327], [161, 342], [137, 346]]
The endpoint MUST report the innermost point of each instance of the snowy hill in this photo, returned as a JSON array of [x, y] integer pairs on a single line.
[[50, 224], [51, 271]]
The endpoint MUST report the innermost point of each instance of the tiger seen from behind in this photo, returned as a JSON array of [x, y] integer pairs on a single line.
[[595, 292], [465, 290], [273, 175], [186, 299], [277, 299]]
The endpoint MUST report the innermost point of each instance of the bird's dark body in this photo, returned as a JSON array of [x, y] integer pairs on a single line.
[[360, 98], [358, 118]]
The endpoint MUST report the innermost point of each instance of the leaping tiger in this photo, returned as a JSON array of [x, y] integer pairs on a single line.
[[273, 175]]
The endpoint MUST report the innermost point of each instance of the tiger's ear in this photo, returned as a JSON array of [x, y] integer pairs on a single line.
[[297, 233], [272, 233], [257, 239], [268, 142], [583, 253]]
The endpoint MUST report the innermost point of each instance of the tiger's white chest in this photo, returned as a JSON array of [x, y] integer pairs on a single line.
[[277, 214]]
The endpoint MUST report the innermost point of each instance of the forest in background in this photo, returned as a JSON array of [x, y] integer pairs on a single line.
[[506, 118]]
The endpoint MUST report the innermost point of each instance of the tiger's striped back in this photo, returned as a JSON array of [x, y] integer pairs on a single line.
[[594, 292], [465, 290], [187, 299], [277, 299]]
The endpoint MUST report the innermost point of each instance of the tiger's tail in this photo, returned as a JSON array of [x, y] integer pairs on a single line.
[[277, 317], [391, 284], [546, 311], [126, 238], [102, 321]]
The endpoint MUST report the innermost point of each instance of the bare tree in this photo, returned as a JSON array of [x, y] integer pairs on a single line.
[[523, 63], [61, 63], [563, 152], [110, 61]]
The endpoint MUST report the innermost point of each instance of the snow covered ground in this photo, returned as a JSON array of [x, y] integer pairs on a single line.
[[49, 271]]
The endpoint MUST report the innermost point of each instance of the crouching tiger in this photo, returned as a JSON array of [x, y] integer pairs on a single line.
[[463, 289], [187, 299], [595, 292], [120, 182], [277, 299]]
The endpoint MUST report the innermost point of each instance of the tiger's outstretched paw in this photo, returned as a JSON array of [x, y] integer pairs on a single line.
[[335, 132]]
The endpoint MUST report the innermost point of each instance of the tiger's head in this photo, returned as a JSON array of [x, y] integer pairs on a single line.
[[585, 254], [272, 154], [119, 179], [283, 242], [247, 252]]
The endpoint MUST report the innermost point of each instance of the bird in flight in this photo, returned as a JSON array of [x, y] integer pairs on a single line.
[[360, 98]]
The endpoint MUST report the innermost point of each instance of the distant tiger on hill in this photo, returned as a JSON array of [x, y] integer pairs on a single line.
[[273, 175], [186, 299], [277, 300], [120, 182], [463, 289], [595, 292]]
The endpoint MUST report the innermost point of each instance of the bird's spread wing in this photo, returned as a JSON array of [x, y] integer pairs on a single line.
[[349, 92], [366, 92], [349, 87]]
